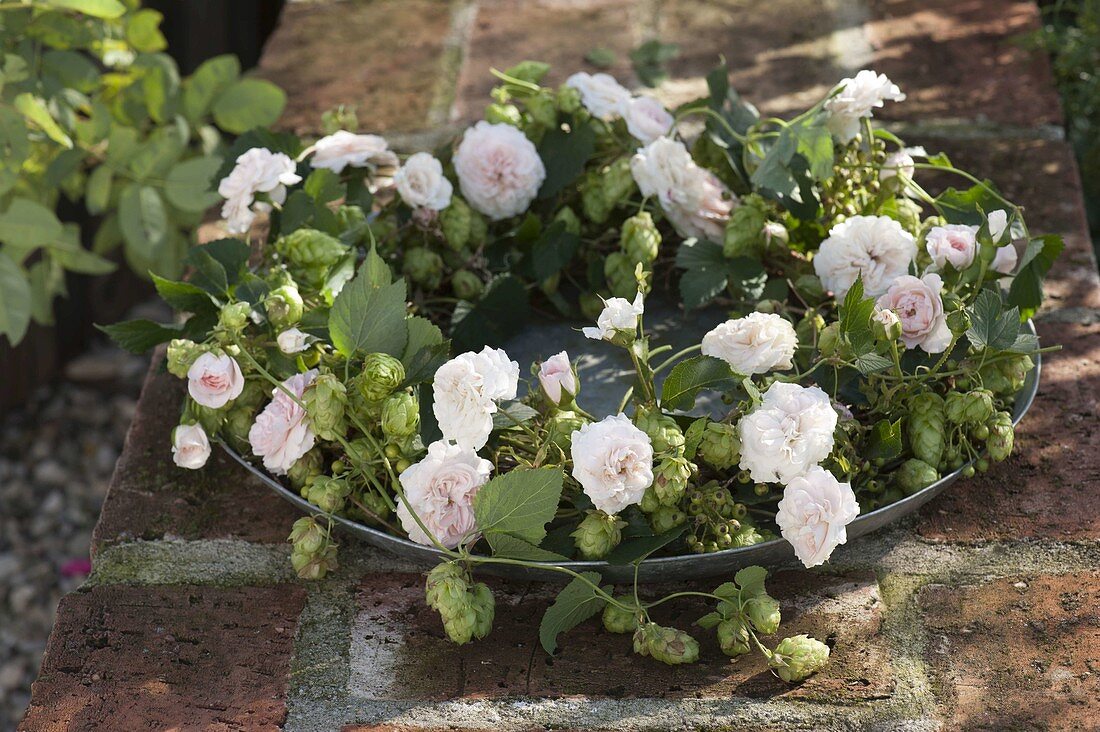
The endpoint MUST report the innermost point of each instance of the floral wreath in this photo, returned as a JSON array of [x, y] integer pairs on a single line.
[[874, 340]]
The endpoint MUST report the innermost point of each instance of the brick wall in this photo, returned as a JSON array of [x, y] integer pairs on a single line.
[[979, 613]]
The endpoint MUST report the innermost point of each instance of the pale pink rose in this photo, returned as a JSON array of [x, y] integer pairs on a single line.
[[190, 446], [257, 170], [858, 97], [789, 432], [441, 489], [693, 199], [344, 149], [499, 170], [421, 183], [600, 93], [281, 433], [613, 462], [558, 379], [214, 380], [466, 391], [755, 344], [292, 341], [1004, 261], [875, 248], [647, 119], [918, 303], [619, 316], [998, 224], [954, 244], [814, 513]]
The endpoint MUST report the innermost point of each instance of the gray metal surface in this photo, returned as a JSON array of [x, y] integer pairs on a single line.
[[658, 569]]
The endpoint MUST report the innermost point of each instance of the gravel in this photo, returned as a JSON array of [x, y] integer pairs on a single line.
[[57, 454]]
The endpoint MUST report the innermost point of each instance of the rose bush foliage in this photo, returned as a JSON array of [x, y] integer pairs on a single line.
[[873, 342]]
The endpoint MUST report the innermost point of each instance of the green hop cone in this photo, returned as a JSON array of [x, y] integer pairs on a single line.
[[181, 354], [233, 317], [619, 620], [1001, 436], [543, 110], [598, 534], [310, 250], [828, 342], [446, 586], [569, 219], [798, 657], [307, 535], [670, 479], [958, 322], [467, 285], [284, 306], [562, 425], [720, 447], [1007, 376], [972, 408], [913, 475], [733, 637], [667, 645], [666, 518], [447, 591], [305, 468], [663, 432], [351, 217], [314, 566], [619, 272], [507, 114], [326, 402], [400, 416], [618, 181], [649, 503], [594, 201], [763, 612], [327, 493], [380, 377], [640, 239], [210, 418], [484, 606], [568, 99], [744, 236], [424, 267], [926, 427], [455, 222]]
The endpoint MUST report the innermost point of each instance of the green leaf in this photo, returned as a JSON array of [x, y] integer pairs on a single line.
[[576, 603], [183, 296], [248, 103], [138, 336], [966, 207], [369, 318], [156, 156], [210, 79], [422, 333], [519, 503], [691, 376], [553, 250], [564, 154], [870, 363], [505, 545], [700, 286], [693, 437], [231, 254], [15, 300], [1026, 292], [97, 190], [884, 442], [990, 325], [508, 415], [34, 110], [634, 550], [143, 220], [189, 185], [323, 186], [500, 313], [27, 225], [107, 9], [422, 365], [75, 258], [143, 31], [750, 581]]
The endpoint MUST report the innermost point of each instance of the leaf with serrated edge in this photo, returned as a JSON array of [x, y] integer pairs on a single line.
[[576, 603], [520, 503]]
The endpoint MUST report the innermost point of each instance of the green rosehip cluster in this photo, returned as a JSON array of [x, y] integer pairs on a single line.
[[466, 608], [718, 520], [313, 553]]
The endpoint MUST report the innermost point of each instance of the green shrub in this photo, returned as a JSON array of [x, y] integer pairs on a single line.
[[93, 110]]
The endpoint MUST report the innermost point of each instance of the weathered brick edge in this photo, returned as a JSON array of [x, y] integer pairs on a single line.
[[928, 570]]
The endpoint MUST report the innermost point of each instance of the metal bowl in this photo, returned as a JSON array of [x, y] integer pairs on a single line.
[[657, 569]]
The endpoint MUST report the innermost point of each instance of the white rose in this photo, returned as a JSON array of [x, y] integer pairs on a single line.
[[421, 183], [998, 223], [919, 306], [214, 380], [901, 165], [466, 390], [613, 462], [292, 340], [647, 119], [499, 170], [618, 315], [876, 247], [601, 94], [813, 514], [755, 344], [953, 244], [343, 149], [790, 432], [281, 433], [190, 446], [1004, 261], [257, 170], [695, 201], [857, 98], [557, 377], [441, 489]]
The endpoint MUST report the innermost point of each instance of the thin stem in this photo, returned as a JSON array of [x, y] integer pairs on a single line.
[[665, 364]]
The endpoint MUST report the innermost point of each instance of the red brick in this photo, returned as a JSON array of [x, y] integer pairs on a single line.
[[1017, 653], [558, 32], [1047, 488], [181, 657], [384, 57], [151, 498], [399, 650], [962, 60]]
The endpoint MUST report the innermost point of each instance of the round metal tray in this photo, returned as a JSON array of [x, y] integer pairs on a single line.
[[657, 569]]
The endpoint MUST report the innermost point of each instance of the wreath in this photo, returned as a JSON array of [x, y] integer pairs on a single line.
[[875, 339]]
